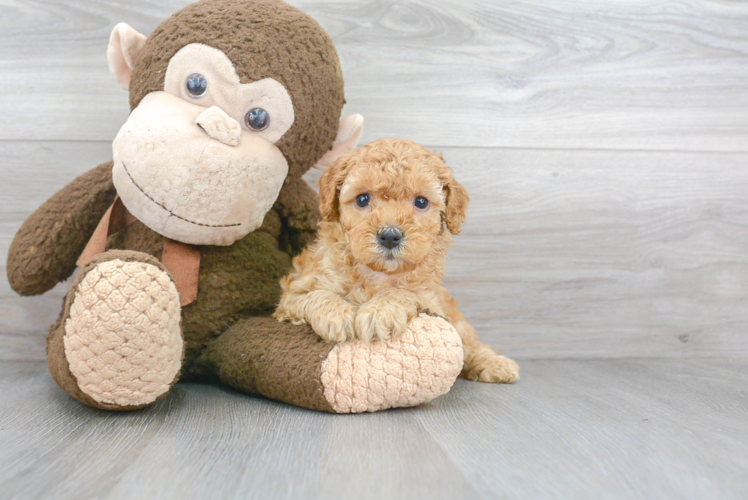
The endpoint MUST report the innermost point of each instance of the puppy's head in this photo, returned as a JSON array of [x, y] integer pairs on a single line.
[[393, 199]]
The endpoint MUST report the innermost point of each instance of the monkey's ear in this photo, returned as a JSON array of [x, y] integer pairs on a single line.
[[349, 132], [457, 203], [124, 48]]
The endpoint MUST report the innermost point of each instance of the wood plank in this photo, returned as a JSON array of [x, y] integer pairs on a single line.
[[209, 442], [614, 429], [569, 429], [594, 74], [564, 253], [603, 254]]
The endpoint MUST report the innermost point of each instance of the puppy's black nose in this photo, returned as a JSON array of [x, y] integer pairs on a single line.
[[390, 236]]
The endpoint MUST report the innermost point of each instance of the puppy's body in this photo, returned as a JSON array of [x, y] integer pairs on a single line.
[[378, 261]]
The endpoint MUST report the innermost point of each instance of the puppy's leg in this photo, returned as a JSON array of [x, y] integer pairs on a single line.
[[481, 362], [486, 365], [329, 315], [386, 314]]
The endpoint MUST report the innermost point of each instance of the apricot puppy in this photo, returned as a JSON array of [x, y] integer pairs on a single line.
[[388, 209]]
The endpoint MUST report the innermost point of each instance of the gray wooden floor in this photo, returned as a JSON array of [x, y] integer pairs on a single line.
[[597, 429], [605, 147]]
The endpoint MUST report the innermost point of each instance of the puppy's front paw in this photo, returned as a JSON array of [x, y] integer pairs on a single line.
[[495, 369], [383, 320], [337, 325]]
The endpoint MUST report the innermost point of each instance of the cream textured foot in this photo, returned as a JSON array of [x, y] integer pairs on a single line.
[[420, 365], [123, 338]]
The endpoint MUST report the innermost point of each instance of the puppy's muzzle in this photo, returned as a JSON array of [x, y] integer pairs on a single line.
[[390, 237]]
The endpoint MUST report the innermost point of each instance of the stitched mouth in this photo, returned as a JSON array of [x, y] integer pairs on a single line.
[[162, 207]]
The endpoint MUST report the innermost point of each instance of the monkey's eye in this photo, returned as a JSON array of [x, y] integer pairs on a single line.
[[257, 119], [421, 202], [197, 85], [362, 200]]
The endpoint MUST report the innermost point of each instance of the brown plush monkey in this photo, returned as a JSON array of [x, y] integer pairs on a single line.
[[183, 237]]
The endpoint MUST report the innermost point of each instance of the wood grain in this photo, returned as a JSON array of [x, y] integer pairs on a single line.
[[564, 253], [613, 429], [593, 74], [604, 254]]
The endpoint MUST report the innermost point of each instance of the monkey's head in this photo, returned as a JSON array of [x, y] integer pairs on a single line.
[[230, 99]]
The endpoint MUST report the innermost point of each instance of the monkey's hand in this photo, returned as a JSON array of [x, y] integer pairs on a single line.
[[386, 315], [298, 205], [44, 251]]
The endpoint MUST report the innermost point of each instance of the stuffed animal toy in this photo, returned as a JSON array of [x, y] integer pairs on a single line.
[[182, 239]]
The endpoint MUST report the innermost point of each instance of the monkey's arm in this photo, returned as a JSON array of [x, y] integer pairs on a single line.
[[49, 242], [298, 206]]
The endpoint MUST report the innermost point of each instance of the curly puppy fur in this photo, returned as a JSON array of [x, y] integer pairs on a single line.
[[354, 283]]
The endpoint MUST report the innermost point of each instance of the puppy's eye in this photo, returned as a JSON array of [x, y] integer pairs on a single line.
[[362, 200], [257, 119], [421, 202], [197, 85]]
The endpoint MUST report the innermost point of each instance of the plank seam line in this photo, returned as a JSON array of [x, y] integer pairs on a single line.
[[499, 148]]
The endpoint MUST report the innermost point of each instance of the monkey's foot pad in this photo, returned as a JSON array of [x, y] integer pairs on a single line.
[[415, 368], [122, 338]]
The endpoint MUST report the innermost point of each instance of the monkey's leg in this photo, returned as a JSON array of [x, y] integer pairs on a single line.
[[292, 364], [118, 342]]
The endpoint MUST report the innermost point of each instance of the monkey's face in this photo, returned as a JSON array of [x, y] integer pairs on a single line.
[[232, 101], [197, 162]]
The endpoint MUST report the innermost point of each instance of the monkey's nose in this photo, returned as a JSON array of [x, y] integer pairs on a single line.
[[390, 236], [220, 126]]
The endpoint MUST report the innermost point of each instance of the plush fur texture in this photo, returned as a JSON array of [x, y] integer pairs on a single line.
[[349, 286], [264, 39], [45, 249], [184, 164], [188, 186], [279, 361], [234, 283]]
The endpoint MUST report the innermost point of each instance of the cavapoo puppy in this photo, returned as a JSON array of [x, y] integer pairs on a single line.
[[379, 258]]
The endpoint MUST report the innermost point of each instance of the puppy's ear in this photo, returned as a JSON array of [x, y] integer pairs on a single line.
[[457, 199], [329, 187]]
